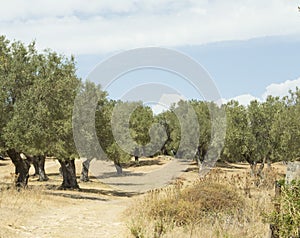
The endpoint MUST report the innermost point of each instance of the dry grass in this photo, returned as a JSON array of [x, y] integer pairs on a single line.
[[16, 208], [220, 205], [223, 204]]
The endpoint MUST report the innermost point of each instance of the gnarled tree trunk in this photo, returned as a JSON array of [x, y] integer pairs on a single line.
[[36, 166], [22, 166], [69, 174], [260, 170], [85, 170], [252, 164], [136, 155], [253, 169], [200, 155], [39, 166], [118, 167]]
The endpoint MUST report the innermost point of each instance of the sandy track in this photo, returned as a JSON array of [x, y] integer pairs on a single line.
[[80, 219], [138, 181], [95, 211]]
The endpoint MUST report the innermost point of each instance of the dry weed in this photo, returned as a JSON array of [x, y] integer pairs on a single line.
[[219, 205], [16, 207]]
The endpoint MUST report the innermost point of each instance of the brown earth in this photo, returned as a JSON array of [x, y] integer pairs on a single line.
[[97, 210]]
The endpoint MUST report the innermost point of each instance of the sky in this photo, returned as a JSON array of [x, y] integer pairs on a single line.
[[250, 49]]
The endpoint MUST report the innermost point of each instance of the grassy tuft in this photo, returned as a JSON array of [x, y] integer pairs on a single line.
[[220, 205]]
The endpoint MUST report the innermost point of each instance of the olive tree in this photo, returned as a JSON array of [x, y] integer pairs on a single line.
[[39, 95]]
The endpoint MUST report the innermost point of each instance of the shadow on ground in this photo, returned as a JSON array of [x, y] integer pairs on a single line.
[[83, 193], [142, 163], [115, 175]]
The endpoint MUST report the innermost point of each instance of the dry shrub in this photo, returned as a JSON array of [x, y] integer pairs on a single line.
[[176, 207], [212, 197], [220, 205]]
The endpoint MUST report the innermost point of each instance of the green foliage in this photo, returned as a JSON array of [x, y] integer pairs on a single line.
[[287, 219], [140, 121], [187, 135], [258, 132], [103, 117], [17, 73], [188, 125], [114, 131], [120, 125], [204, 120], [37, 100], [37, 104], [89, 101], [286, 129], [170, 123], [240, 142], [116, 154]]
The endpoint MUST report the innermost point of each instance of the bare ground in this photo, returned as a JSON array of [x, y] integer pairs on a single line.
[[97, 210]]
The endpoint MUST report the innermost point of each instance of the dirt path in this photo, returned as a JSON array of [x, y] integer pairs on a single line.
[[102, 217], [95, 211], [79, 219], [138, 181]]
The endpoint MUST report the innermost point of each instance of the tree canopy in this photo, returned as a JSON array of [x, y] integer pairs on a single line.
[[37, 115]]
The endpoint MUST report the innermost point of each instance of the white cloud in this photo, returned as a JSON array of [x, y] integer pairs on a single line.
[[221, 101], [82, 27], [279, 89], [35, 9], [166, 101]]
